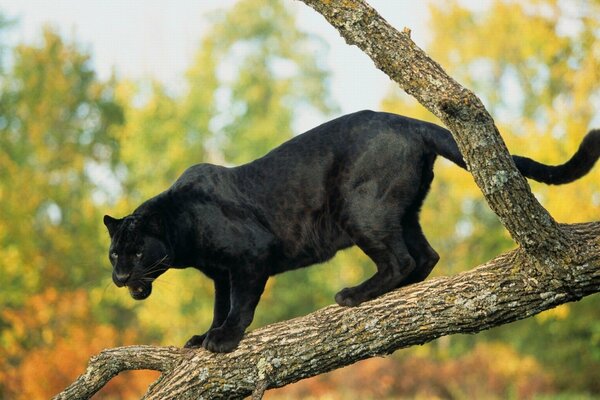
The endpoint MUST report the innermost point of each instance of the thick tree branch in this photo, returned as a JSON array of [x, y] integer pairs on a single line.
[[507, 288], [462, 112]]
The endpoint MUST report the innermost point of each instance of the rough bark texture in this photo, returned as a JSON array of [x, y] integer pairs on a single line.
[[554, 265], [507, 288]]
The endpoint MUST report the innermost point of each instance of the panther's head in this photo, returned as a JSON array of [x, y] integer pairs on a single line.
[[138, 252]]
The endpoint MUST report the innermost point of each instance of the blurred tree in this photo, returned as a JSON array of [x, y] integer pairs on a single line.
[[55, 131], [56, 138], [533, 64], [153, 149], [5, 23], [50, 341], [268, 71]]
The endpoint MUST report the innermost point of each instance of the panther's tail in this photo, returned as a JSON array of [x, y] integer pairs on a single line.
[[580, 164]]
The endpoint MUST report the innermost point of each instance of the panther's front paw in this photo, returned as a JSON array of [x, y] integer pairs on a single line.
[[195, 342], [219, 340]]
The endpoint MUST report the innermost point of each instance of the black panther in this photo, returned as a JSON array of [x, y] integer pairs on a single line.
[[356, 180]]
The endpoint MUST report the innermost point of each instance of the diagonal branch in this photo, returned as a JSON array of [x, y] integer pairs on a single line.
[[507, 288], [393, 52]]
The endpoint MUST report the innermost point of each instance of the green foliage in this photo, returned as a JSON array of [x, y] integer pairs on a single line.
[[153, 146], [267, 70], [56, 126]]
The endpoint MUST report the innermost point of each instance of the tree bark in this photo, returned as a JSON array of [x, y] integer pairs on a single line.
[[555, 264]]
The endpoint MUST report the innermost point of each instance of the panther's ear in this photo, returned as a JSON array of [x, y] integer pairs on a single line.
[[154, 225], [112, 224]]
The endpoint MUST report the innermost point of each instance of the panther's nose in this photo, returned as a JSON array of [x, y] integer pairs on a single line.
[[120, 278]]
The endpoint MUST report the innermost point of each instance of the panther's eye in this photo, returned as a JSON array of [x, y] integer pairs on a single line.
[[138, 255], [114, 255]]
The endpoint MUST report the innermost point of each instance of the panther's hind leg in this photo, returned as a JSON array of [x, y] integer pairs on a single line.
[[394, 264], [419, 248]]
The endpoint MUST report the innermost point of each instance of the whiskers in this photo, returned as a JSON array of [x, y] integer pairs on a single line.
[[158, 266], [145, 276], [108, 284]]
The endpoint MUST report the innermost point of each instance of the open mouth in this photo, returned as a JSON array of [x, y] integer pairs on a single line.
[[139, 290]]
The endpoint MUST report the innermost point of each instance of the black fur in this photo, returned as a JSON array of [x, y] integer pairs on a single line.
[[357, 180]]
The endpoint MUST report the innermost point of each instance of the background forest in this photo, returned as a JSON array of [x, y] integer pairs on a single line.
[[74, 147]]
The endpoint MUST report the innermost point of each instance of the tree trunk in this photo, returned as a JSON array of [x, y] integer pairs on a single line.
[[555, 264]]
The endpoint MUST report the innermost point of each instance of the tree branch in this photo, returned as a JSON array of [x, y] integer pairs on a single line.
[[507, 288], [506, 191], [106, 365]]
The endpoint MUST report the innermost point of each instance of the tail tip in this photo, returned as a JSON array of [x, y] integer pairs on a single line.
[[592, 140]]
